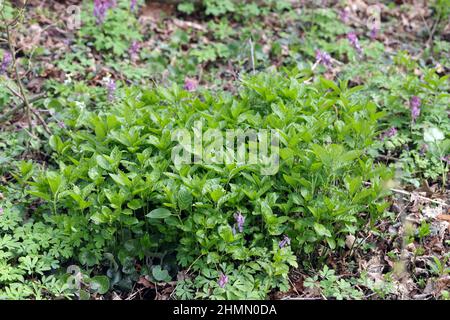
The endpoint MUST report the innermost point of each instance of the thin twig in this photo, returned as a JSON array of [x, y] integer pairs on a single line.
[[293, 286], [15, 67], [42, 121], [188, 269], [414, 195], [419, 196], [32, 99], [252, 55]]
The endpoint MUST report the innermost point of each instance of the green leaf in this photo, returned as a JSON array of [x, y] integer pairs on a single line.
[[103, 162], [159, 213], [40, 194], [226, 233], [135, 204], [184, 199], [433, 135], [100, 284], [160, 274], [321, 230], [330, 84], [217, 194], [55, 181], [121, 179], [332, 243]]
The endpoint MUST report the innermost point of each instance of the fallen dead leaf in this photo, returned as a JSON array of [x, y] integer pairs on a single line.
[[350, 241], [145, 283], [444, 217]]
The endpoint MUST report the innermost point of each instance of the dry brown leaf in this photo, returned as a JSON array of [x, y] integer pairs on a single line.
[[444, 217], [145, 283]]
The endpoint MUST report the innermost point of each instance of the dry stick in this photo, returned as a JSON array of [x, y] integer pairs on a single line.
[[415, 195], [293, 286], [430, 41], [252, 55], [188, 269], [419, 196], [20, 106], [35, 112], [426, 24], [16, 71], [42, 121]]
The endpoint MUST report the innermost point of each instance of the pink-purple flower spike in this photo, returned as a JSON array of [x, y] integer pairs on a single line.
[[190, 84], [240, 219], [111, 87], [373, 33], [223, 280], [134, 50], [323, 58], [343, 15], [101, 7], [415, 107], [389, 133], [133, 5], [353, 39], [7, 59], [286, 241]]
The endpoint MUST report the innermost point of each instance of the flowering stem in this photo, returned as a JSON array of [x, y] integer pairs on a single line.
[[9, 39]]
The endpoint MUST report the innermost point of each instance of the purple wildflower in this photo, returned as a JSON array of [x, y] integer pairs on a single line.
[[415, 107], [61, 124], [353, 38], [111, 87], [373, 33], [446, 159], [190, 84], [284, 242], [344, 15], [389, 133], [7, 59], [134, 50], [323, 58], [392, 132], [133, 5], [240, 219], [223, 280], [101, 7], [1, 211], [423, 149]]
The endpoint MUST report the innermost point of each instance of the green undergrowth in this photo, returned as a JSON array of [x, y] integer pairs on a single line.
[[113, 184]]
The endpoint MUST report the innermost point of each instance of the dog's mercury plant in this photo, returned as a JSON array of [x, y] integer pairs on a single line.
[[115, 180]]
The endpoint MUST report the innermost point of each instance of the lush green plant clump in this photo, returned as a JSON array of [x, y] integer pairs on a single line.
[[114, 186]]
